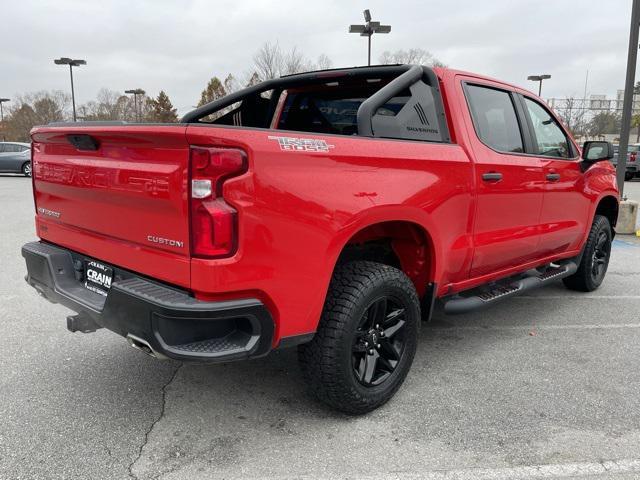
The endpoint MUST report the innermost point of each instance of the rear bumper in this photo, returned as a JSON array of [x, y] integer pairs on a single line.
[[167, 320]]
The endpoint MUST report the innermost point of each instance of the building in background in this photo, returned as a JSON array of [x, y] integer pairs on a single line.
[[596, 117], [635, 109]]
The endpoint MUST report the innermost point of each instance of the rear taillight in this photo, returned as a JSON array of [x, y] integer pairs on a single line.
[[632, 156], [214, 223], [34, 146]]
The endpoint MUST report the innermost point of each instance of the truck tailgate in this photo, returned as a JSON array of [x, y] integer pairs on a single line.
[[116, 193]]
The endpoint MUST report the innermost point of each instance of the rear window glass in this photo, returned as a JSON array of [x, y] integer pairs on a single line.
[[494, 118], [326, 113], [410, 115]]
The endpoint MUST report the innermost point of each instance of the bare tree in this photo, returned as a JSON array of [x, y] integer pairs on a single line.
[[413, 56], [268, 61], [253, 79], [39, 108], [294, 61], [108, 106], [271, 62], [231, 84], [573, 115], [324, 62]]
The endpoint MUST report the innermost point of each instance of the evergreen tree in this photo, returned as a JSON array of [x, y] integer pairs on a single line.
[[161, 110], [214, 90]]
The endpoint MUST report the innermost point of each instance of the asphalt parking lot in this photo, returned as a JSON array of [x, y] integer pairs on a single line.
[[542, 386]]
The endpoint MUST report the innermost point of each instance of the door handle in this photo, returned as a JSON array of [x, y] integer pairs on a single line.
[[553, 177], [492, 176]]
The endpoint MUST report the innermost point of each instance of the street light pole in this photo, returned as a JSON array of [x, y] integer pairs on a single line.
[[135, 92], [539, 79], [368, 29], [627, 105], [73, 94], [72, 63], [2, 100]]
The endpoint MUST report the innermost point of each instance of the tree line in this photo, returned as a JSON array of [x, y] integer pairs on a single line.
[[41, 108], [270, 61], [602, 123]]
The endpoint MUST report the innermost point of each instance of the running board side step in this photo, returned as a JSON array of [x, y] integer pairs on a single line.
[[484, 296]]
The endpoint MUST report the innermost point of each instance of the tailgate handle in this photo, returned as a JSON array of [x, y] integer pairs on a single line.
[[83, 141]]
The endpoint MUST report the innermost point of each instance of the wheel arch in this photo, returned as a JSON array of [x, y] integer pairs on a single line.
[[608, 207], [404, 242]]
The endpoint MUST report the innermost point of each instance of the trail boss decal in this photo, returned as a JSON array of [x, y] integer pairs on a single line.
[[295, 144]]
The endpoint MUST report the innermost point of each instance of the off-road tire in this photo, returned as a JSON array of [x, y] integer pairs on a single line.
[[327, 362], [598, 243]]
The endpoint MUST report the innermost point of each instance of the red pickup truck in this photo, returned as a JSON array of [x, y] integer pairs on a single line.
[[327, 210]]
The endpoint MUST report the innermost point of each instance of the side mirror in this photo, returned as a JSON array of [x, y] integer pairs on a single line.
[[597, 151]]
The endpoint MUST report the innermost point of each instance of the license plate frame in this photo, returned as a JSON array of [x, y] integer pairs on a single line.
[[97, 277]]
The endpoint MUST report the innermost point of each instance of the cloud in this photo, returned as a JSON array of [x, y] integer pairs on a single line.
[[178, 45]]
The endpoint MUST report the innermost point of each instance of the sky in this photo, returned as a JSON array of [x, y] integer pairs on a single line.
[[177, 46]]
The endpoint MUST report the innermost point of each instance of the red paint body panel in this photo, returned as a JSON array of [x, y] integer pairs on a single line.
[[297, 210], [112, 199]]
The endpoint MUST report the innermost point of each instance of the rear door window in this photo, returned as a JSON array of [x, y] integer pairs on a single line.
[[494, 118], [11, 148]]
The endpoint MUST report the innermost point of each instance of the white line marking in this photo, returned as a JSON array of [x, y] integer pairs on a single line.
[[587, 326], [563, 470], [596, 297]]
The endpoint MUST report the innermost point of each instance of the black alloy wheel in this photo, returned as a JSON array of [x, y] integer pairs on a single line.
[[595, 257], [378, 344], [366, 339], [600, 257]]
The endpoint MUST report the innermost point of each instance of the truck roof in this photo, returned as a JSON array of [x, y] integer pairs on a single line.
[[440, 70]]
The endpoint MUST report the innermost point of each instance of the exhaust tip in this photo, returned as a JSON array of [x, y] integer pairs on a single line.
[[142, 345]]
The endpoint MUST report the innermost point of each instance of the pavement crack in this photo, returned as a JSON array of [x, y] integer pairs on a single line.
[[153, 424]]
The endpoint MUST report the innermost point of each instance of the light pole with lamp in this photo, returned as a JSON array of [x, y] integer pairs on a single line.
[[2, 100], [368, 29], [72, 63], [539, 79], [135, 92]]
